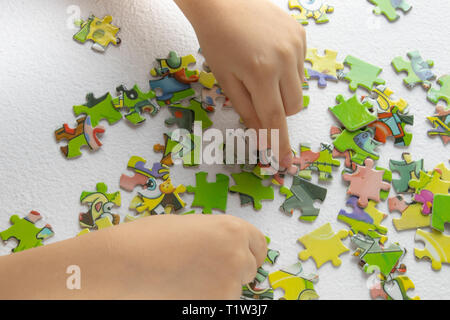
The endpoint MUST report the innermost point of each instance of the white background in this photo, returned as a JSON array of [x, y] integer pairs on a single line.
[[43, 73]]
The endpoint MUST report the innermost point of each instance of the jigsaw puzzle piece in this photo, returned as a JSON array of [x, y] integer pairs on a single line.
[[381, 98], [361, 74], [25, 232], [360, 142], [187, 150], [408, 170], [143, 176], [419, 70], [310, 9], [412, 217], [366, 183], [392, 124], [432, 182], [101, 223], [297, 284], [137, 102], [443, 93], [211, 96], [101, 204], [99, 109], [353, 114], [83, 135], [173, 64], [250, 185], [172, 90], [388, 8], [302, 196], [325, 64], [210, 195], [437, 247], [395, 289], [441, 123], [184, 116], [441, 211], [101, 32], [322, 162], [323, 245]]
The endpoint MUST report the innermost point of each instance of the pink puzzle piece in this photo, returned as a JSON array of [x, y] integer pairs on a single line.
[[426, 197], [366, 183]]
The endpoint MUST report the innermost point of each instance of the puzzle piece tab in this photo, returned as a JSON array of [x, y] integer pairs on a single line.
[[323, 67], [408, 169], [353, 114], [297, 284], [250, 185], [99, 109], [310, 9], [25, 231], [210, 195], [443, 93], [83, 135], [323, 245], [388, 8], [101, 32], [361, 74], [419, 70], [412, 217], [302, 196], [441, 123], [366, 183], [437, 247]]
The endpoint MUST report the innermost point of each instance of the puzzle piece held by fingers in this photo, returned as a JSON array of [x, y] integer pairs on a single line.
[[408, 170], [419, 70], [388, 8], [437, 247], [302, 196], [27, 234], [101, 32], [323, 245], [249, 184], [297, 284], [310, 9], [441, 123], [83, 135], [210, 195], [99, 109], [412, 217], [361, 74], [321, 162], [366, 183]]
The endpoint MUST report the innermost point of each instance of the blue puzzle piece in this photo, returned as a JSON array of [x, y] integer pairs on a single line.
[[169, 86]]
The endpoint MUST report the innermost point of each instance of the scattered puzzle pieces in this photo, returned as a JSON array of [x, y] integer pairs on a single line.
[[99, 109], [366, 183], [137, 102], [441, 124], [100, 205], [210, 195], [321, 162], [408, 169], [437, 247], [361, 74], [443, 93], [310, 9], [388, 8], [83, 135], [353, 114], [395, 289], [324, 245], [419, 70], [101, 32], [297, 284], [250, 185], [25, 231], [412, 217], [302, 196]]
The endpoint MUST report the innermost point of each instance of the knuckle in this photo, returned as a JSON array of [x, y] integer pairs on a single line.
[[233, 226]]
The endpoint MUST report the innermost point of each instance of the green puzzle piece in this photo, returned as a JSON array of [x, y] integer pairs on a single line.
[[184, 120], [26, 233], [250, 185], [419, 70], [361, 142], [210, 195], [361, 74], [137, 102], [302, 196], [407, 169], [99, 109], [353, 114], [443, 93], [322, 162], [441, 211], [388, 8]]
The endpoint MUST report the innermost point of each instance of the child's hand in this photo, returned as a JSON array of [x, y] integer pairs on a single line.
[[256, 51], [158, 257]]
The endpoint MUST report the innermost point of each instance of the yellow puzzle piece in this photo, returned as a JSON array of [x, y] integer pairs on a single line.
[[103, 32], [384, 101], [101, 223], [431, 181], [437, 247], [296, 284], [207, 79], [445, 172], [412, 217], [325, 64], [323, 245]]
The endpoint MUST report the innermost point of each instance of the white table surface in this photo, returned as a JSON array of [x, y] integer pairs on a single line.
[[43, 73]]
